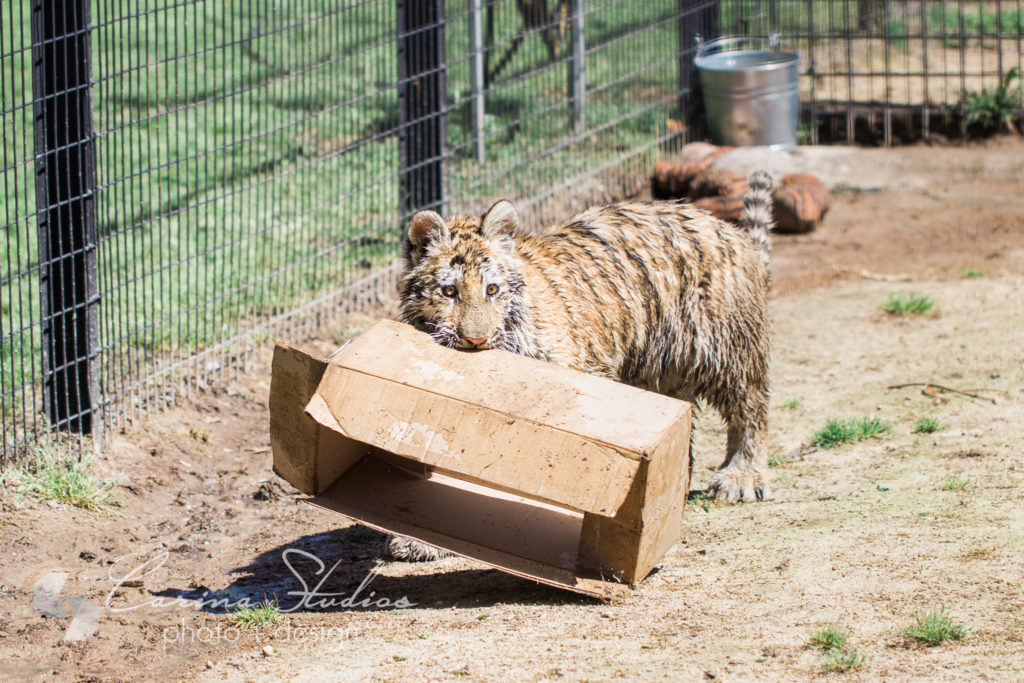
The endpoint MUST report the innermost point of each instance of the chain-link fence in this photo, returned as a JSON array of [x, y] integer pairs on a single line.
[[888, 71], [183, 180]]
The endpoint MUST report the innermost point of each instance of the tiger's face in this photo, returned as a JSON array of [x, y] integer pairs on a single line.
[[461, 282]]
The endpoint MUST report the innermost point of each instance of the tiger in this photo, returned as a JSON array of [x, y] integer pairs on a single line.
[[656, 294]]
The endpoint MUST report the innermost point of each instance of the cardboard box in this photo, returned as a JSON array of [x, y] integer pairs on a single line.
[[541, 471]]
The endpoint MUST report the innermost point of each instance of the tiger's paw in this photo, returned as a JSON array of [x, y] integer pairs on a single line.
[[408, 550]]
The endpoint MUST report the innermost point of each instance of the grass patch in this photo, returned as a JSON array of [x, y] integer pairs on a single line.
[[837, 432], [792, 403], [836, 661], [991, 111], [961, 25], [265, 613], [65, 478], [954, 483], [777, 460], [700, 499], [972, 274], [928, 425], [908, 304], [934, 628], [832, 640], [831, 637]]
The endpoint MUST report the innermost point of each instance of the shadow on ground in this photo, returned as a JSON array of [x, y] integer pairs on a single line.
[[345, 569]]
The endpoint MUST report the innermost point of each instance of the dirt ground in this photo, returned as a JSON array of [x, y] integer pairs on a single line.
[[868, 534]]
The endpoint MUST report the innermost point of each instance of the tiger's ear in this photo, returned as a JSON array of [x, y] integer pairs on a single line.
[[426, 226], [500, 219]]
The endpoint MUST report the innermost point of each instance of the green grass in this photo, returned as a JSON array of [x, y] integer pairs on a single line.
[[266, 613], [973, 22], [837, 432], [909, 304], [992, 111], [972, 274], [831, 637], [929, 425], [55, 473], [836, 655], [837, 661], [792, 403], [954, 483], [700, 499], [934, 628]]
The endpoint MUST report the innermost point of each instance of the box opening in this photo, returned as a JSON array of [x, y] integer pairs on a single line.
[[399, 495]]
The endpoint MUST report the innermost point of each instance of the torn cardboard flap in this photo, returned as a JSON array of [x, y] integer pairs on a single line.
[[537, 470]]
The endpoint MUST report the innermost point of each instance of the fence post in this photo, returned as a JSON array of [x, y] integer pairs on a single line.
[[421, 104], [578, 69], [65, 182], [696, 18], [476, 30]]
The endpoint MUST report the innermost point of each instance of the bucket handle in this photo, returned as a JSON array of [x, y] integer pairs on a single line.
[[703, 47]]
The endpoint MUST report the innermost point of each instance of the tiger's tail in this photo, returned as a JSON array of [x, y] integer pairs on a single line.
[[756, 218]]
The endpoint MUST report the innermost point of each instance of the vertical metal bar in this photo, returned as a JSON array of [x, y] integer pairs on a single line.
[[850, 127], [999, 38], [887, 53], [702, 19], [925, 112], [578, 70], [684, 57], [66, 180], [421, 104], [813, 73], [476, 31]]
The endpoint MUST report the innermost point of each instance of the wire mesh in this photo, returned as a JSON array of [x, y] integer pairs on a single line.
[[886, 71], [253, 164]]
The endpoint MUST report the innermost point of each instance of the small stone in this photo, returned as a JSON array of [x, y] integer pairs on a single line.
[[268, 651], [209, 664]]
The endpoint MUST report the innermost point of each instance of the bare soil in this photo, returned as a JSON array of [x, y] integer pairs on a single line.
[[868, 534]]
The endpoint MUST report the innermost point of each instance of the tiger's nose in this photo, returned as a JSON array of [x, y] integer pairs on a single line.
[[476, 342]]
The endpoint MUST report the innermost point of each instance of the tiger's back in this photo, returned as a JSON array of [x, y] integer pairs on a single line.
[[640, 291]]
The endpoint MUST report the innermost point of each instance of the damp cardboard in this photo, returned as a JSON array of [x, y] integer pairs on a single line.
[[537, 470]]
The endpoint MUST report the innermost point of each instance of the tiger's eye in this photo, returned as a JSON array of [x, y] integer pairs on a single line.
[[449, 291], [492, 289]]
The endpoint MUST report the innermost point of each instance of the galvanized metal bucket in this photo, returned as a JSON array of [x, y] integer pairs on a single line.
[[750, 91]]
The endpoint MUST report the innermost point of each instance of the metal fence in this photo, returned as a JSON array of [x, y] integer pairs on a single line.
[[889, 71], [184, 179]]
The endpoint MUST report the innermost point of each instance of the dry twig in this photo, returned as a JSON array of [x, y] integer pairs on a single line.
[[939, 387]]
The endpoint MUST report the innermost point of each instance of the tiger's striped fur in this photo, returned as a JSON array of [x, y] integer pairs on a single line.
[[659, 295]]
